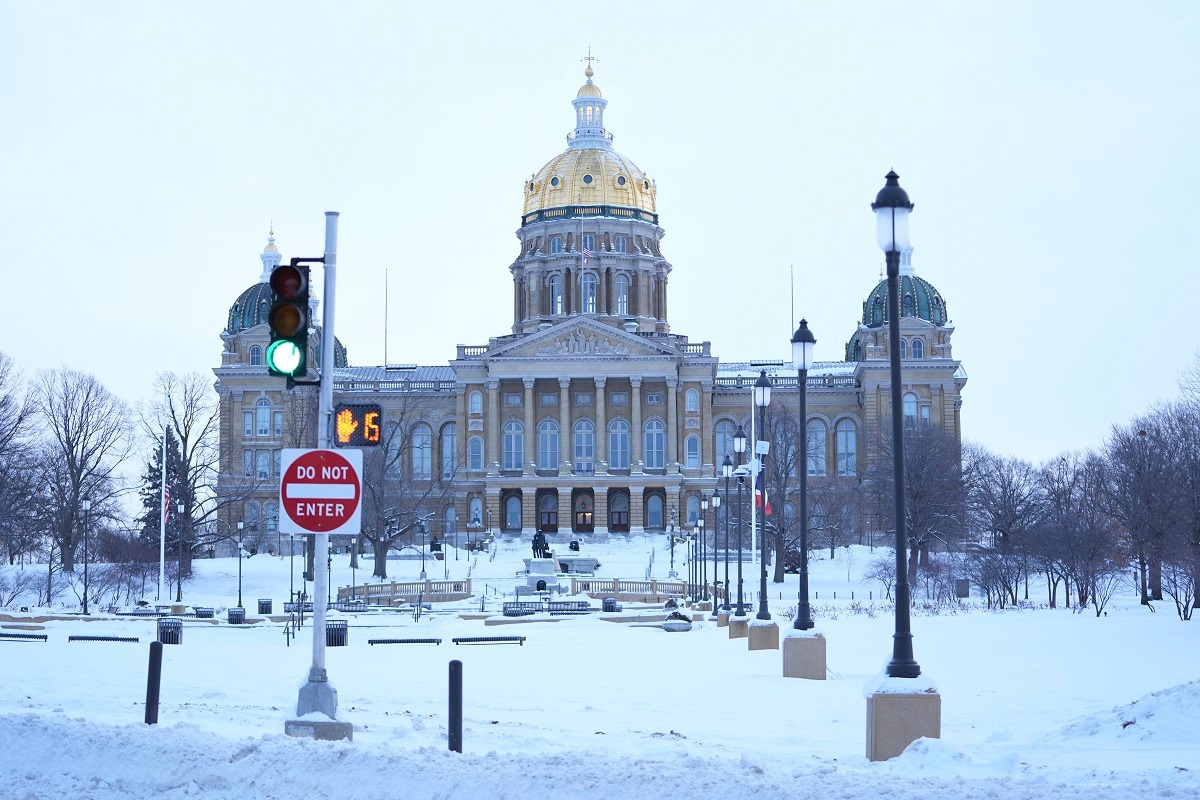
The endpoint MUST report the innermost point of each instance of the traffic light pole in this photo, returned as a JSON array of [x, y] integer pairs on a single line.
[[318, 694]]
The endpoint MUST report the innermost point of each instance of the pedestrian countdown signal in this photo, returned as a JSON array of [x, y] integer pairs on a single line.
[[357, 424]]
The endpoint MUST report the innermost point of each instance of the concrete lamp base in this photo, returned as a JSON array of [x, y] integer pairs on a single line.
[[804, 657], [894, 721], [764, 635], [738, 627], [722, 619], [327, 730]]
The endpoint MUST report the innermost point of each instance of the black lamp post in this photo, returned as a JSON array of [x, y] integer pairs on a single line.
[[86, 505], [241, 555], [715, 502], [739, 447], [671, 534], [179, 576], [891, 208], [802, 357], [762, 399], [421, 525], [703, 548], [726, 473]]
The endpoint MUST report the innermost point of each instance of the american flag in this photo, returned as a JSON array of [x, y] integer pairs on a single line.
[[760, 495], [586, 255], [166, 504]]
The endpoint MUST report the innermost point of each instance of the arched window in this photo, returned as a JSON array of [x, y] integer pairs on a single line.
[[910, 410], [555, 245], [585, 445], [422, 455], [589, 243], [475, 453], [449, 450], [622, 290], [548, 444], [693, 509], [556, 294], [654, 512], [618, 444], [847, 447], [816, 447], [724, 437], [691, 400], [656, 438], [475, 403], [589, 294], [475, 513], [918, 348], [618, 512], [451, 519], [263, 417], [514, 444], [691, 448], [512, 513], [620, 243], [255, 356], [903, 348]]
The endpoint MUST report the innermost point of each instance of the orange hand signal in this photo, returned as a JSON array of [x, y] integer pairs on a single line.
[[346, 425]]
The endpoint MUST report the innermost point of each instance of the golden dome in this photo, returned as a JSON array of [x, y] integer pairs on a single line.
[[590, 175]]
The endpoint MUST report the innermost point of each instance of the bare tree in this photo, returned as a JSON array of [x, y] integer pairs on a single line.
[[88, 435], [18, 479]]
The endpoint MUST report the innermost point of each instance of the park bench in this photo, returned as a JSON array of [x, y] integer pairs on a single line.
[[292, 608], [404, 641], [520, 608], [133, 639], [568, 607], [29, 637], [490, 640]]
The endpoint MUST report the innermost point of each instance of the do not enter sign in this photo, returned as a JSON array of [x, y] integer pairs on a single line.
[[321, 491]]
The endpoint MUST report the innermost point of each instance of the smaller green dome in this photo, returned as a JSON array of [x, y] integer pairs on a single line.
[[918, 299], [250, 308]]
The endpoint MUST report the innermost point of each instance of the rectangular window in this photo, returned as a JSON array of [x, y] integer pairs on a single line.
[[512, 399], [278, 462], [548, 399], [248, 420], [619, 398], [924, 415], [247, 463], [583, 399], [654, 398], [278, 422], [263, 465]]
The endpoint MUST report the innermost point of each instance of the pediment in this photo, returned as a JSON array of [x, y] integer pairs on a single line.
[[581, 338]]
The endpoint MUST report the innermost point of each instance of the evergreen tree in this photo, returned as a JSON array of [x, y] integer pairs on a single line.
[[151, 494]]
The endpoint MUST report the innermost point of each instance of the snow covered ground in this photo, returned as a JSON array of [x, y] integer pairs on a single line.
[[1036, 703]]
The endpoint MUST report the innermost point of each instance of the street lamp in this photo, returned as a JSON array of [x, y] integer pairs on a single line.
[[739, 447], [421, 525], [726, 473], [671, 534], [891, 208], [703, 549], [802, 357], [762, 399], [86, 505], [715, 502], [241, 555], [179, 575]]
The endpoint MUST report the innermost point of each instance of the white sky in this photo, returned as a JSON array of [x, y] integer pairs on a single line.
[[1049, 148]]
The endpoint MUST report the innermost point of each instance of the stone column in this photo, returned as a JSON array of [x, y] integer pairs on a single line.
[[635, 435], [565, 451], [600, 495], [492, 423], [601, 423], [530, 433], [673, 425]]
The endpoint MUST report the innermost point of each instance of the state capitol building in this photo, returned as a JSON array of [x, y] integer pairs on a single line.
[[590, 416]]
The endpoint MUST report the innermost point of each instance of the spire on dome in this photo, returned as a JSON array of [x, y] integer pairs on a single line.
[[589, 113], [270, 256]]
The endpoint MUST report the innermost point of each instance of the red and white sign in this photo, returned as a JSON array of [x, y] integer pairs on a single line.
[[321, 491]]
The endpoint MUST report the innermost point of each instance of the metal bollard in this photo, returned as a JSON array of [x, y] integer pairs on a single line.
[[153, 681], [454, 738]]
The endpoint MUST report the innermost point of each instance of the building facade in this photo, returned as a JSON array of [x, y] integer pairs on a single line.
[[590, 417]]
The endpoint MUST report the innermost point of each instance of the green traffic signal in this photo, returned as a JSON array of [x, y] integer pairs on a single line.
[[288, 320], [285, 358]]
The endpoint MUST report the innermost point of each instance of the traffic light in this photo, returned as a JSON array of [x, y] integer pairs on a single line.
[[357, 424], [287, 355]]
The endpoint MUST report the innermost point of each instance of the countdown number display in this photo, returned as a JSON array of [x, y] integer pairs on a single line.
[[357, 424]]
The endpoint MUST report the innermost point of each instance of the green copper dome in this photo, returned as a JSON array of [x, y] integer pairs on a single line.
[[918, 299], [250, 308]]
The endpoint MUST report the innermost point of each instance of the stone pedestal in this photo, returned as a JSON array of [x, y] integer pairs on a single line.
[[178, 609], [722, 619], [804, 656], [894, 721], [738, 627], [764, 635], [325, 729]]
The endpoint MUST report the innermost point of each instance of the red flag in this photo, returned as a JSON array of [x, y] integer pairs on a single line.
[[166, 504], [760, 495]]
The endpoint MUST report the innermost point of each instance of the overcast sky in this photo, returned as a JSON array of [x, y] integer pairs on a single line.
[[1050, 148]]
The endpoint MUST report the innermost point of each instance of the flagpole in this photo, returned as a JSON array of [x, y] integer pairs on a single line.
[[162, 518], [754, 486]]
